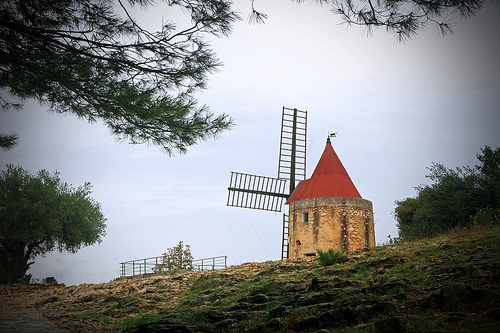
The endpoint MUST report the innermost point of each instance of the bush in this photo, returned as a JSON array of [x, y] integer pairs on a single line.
[[176, 259], [331, 257], [50, 280], [487, 216]]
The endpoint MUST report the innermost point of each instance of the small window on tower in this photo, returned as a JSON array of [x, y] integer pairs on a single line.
[[305, 217]]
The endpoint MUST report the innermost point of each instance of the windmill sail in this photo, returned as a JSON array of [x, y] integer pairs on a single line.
[[256, 192], [292, 161], [266, 193]]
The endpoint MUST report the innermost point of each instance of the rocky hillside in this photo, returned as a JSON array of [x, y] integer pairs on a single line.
[[444, 284]]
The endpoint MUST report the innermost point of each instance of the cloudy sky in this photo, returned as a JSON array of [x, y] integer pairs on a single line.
[[396, 107]]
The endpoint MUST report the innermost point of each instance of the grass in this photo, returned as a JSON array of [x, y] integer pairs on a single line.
[[137, 320], [403, 274], [196, 317]]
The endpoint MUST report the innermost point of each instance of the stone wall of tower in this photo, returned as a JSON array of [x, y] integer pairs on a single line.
[[329, 223]]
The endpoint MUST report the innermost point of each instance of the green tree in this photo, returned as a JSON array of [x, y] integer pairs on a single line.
[[92, 59], [40, 213], [176, 259], [403, 18], [454, 198], [405, 213], [489, 176]]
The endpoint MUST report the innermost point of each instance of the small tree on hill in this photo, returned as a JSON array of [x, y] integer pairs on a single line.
[[176, 259], [40, 213]]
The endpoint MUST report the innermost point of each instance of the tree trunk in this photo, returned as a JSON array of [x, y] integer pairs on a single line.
[[13, 262]]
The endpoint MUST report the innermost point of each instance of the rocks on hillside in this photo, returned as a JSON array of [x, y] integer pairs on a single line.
[[437, 285]]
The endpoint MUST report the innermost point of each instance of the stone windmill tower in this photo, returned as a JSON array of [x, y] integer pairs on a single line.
[[326, 211]]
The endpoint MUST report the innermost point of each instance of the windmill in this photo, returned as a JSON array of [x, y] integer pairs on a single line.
[[267, 193]]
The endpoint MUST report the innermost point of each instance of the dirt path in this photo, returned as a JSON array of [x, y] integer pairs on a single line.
[[26, 321]]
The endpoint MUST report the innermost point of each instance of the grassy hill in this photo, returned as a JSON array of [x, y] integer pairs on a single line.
[[449, 283], [444, 284]]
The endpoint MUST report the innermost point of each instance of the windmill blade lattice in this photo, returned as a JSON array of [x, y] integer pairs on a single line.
[[266, 193], [292, 161], [256, 192]]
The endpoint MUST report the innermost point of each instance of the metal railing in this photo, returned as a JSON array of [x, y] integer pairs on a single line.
[[209, 264], [152, 264]]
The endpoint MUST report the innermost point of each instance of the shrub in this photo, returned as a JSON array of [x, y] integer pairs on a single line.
[[50, 280], [331, 257], [176, 259], [487, 216]]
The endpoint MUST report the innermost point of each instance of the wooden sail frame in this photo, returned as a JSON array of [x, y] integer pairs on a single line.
[[267, 193], [256, 192]]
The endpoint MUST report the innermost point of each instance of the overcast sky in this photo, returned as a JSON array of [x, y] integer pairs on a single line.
[[396, 107]]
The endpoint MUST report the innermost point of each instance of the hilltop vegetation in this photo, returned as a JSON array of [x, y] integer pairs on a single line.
[[463, 197], [449, 283]]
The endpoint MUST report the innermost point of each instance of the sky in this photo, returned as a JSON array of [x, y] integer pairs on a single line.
[[397, 108]]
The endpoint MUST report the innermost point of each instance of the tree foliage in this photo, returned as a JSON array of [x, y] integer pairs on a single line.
[[176, 259], [463, 196], [8, 141], [40, 213], [403, 18], [92, 59]]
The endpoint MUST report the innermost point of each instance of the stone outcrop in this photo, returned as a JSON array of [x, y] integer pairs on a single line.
[[8, 289]]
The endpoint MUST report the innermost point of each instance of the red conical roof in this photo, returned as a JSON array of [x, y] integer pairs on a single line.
[[329, 179]]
